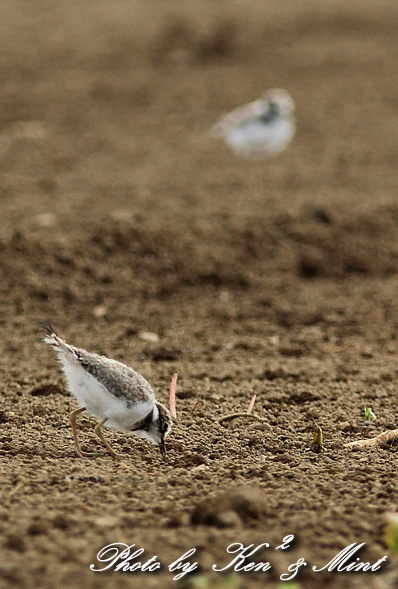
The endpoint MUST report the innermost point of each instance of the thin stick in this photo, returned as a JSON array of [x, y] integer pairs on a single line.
[[172, 400], [194, 407], [251, 405], [382, 438], [247, 415]]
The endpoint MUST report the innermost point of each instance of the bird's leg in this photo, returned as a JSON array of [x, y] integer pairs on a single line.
[[99, 433], [72, 421]]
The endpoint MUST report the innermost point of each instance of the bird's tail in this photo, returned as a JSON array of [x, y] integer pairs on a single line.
[[49, 333], [52, 339]]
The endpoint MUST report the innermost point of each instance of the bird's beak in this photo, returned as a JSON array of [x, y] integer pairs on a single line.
[[162, 448]]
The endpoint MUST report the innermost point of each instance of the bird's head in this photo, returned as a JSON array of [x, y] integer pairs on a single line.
[[161, 427], [156, 426], [280, 100]]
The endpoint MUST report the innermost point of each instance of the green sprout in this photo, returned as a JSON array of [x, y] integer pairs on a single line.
[[391, 532], [369, 415]]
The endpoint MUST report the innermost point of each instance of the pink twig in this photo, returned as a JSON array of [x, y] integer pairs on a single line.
[[251, 405], [172, 401]]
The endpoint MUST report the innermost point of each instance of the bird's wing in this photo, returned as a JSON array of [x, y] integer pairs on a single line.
[[239, 115], [120, 380]]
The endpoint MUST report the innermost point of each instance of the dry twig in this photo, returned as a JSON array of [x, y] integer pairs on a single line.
[[247, 415], [194, 407], [382, 438]]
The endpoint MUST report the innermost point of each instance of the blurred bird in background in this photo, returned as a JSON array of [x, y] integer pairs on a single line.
[[261, 129]]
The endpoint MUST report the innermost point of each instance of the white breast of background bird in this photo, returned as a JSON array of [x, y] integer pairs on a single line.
[[260, 129], [107, 388]]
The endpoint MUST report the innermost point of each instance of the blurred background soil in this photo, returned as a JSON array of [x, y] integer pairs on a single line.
[[121, 215]]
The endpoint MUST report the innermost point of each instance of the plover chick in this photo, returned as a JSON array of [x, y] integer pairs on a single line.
[[260, 129], [115, 394]]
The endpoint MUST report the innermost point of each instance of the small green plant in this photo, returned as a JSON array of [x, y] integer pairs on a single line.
[[369, 415], [391, 532]]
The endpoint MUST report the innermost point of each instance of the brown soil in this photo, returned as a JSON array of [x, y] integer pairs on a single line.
[[120, 215]]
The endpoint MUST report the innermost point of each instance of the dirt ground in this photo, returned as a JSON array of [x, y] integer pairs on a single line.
[[121, 215]]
